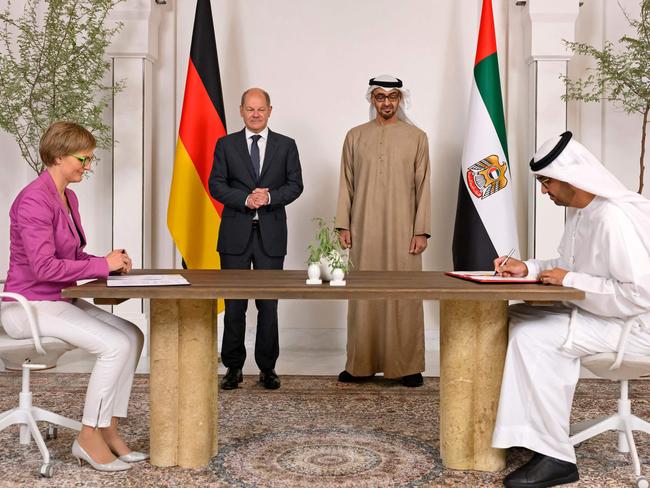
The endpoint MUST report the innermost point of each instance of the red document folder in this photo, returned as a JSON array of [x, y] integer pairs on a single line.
[[488, 277]]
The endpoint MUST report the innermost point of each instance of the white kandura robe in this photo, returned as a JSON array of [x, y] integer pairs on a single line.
[[606, 259]]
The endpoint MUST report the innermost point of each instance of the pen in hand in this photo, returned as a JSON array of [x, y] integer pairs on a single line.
[[503, 263]]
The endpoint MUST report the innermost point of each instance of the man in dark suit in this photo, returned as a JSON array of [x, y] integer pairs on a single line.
[[255, 174]]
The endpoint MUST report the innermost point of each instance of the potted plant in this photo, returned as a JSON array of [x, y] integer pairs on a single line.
[[340, 264], [326, 253], [313, 266], [53, 67]]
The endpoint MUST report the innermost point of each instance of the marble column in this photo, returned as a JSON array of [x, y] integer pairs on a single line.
[[549, 24]]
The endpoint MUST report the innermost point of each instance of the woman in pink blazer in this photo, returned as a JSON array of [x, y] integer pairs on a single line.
[[46, 255]]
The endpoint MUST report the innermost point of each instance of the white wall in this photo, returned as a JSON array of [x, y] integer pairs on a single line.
[[315, 59]]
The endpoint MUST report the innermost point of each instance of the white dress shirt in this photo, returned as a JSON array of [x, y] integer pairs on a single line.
[[261, 144]]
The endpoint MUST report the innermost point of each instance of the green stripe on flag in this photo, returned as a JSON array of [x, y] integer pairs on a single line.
[[486, 74]]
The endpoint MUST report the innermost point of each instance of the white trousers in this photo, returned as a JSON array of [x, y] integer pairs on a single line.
[[540, 376], [116, 342]]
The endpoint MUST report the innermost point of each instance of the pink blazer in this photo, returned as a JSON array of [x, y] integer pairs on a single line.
[[46, 248]]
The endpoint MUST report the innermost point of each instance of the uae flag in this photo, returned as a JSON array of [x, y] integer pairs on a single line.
[[485, 219], [193, 216]]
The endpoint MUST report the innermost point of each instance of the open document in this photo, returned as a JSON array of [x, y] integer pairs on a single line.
[[488, 277], [147, 280]]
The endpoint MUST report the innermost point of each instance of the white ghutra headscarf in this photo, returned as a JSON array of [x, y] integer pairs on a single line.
[[565, 159], [390, 83]]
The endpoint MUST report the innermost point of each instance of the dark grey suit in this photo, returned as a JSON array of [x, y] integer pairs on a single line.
[[263, 245]]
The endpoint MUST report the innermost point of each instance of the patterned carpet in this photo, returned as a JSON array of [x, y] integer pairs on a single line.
[[312, 432]]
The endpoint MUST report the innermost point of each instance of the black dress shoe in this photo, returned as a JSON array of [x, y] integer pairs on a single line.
[[269, 379], [542, 471], [232, 378], [413, 380], [345, 377]]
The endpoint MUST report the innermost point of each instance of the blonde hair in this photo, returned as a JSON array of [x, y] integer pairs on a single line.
[[63, 138]]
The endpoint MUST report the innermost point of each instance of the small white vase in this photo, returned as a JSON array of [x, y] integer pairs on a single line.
[[313, 271], [337, 274], [325, 269], [337, 277]]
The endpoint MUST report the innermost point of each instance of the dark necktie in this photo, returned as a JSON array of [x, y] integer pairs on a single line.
[[255, 154]]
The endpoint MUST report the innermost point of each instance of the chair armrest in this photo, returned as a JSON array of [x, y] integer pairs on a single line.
[[30, 318]]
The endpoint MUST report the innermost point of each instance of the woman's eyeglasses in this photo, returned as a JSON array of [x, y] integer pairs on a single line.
[[85, 160]]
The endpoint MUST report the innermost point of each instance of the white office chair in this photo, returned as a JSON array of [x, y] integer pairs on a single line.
[[617, 367], [29, 352]]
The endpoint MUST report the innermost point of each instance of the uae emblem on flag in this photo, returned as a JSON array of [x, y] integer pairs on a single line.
[[487, 177], [485, 218]]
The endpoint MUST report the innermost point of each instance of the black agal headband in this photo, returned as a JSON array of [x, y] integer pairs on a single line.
[[386, 84], [553, 153]]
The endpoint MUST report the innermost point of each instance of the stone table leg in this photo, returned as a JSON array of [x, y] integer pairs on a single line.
[[183, 396], [197, 378], [163, 382], [473, 341]]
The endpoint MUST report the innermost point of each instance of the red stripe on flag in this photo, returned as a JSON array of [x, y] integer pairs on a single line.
[[487, 43], [200, 128]]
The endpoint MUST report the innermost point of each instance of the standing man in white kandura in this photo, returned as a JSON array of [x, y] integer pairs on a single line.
[[605, 251]]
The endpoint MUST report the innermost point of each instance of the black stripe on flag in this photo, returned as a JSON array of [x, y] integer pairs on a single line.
[[203, 54], [472, 247]]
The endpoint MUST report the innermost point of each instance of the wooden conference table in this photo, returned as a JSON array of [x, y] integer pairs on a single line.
[[183, 350]]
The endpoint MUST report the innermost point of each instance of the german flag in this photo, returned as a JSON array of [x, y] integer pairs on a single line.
[[193, 216]]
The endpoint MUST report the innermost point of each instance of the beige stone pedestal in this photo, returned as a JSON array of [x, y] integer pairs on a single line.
[[183, 393], [473, 340]]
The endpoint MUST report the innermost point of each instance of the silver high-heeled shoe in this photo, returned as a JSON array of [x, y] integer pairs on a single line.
[[134, 457], [80, 454]]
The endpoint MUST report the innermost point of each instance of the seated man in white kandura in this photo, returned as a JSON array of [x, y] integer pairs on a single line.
[[604, 252]]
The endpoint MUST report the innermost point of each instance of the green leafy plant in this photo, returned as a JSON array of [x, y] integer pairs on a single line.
[[337, 259], [52, 67], [621, 75], [327, 246]]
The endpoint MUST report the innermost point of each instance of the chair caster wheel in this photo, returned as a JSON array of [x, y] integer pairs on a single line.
[[52, 432], [642, 482], [46, 471]]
